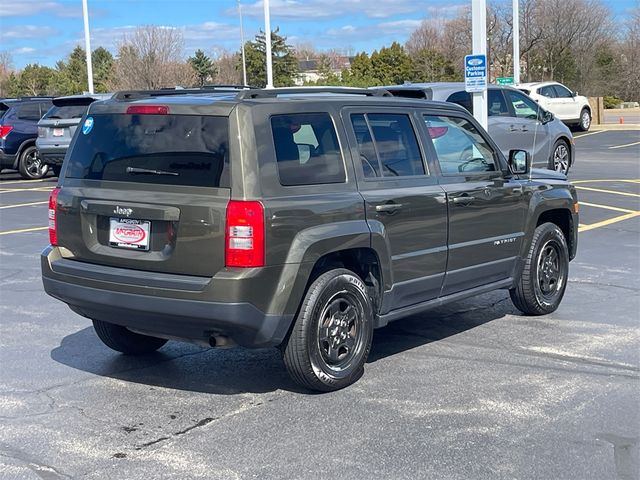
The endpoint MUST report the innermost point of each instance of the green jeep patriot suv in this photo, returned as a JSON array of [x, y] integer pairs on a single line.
[[295, 218]]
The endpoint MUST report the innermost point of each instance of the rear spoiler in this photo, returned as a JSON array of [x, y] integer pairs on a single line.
[[73, 101]]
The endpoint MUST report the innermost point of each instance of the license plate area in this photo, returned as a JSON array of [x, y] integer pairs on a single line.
[[129, 233], [58, 132]]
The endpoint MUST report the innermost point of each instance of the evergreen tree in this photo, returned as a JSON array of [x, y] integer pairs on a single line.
[[103, 72], [203, 67], [285, 64]]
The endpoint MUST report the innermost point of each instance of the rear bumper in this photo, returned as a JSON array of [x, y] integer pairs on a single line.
[[7, 160], [161, 311], [52, 155]]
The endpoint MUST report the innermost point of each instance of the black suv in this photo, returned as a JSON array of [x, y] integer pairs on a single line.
[[18, 133], [296, 218]]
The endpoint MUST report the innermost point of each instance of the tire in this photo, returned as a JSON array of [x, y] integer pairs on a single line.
[[56, 169], [30, 164], [585, 120], [326, 359], [544, 278], [125, 341], [560, 159]]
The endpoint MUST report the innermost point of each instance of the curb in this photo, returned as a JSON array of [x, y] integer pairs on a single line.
[[615, 126]]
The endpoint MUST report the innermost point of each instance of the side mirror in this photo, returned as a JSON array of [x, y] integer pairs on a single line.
[[546, 116], [519, 162]]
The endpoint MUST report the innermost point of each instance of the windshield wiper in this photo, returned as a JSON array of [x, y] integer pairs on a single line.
[[136, 170]]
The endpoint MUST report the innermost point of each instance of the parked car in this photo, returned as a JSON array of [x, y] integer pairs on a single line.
[[568, 106], [18, 132], [515, 121], [57, 126], [297, 218]]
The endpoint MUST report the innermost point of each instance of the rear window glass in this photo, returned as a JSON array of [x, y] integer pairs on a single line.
[[188, 150], [66, 113], [307, 149]]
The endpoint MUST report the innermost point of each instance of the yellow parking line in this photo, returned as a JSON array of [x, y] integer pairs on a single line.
[[604, 223], [587, 134], [36, 189], [601, 190], [607, 207], [624, 146], [23, 230], [629, 180], [23, 205], [20, 182]]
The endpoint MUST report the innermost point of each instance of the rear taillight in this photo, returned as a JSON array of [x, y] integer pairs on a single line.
[[148, 110], [244, 236], [4, 131], [53, 207]]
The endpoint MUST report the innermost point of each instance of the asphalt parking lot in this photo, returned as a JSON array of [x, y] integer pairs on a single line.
[[473, 390]]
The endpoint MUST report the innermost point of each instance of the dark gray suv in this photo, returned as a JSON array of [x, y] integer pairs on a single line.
[[295, 218]]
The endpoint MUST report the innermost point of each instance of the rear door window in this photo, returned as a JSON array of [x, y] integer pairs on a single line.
[[188, 150], [548, 91], [497, 104], [307, 149], [463, 99], [29, 111], [388, 146]]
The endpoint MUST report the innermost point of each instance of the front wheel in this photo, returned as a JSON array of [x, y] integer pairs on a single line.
[[585, 120], [560, 160], [332, 335], [544, 277], [125, 341], [30, 165]]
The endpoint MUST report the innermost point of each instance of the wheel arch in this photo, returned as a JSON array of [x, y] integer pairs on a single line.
[[25, 144]]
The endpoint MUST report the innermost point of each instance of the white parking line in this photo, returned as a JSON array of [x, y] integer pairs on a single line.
[[38, 189], [23, 205], [587, 134], [19, 182], [624, 146]]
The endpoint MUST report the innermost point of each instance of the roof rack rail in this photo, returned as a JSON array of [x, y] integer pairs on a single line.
[[230, 86], [137, 94], [275, 92]]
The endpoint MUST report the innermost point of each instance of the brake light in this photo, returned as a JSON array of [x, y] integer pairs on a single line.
[[4, 131], [244, 236], [148, 110], [53, 207]]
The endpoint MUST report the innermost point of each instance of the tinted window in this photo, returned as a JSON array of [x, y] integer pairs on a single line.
[[307, 150], [463, 99], [497, 104], [164, 149], [395, 147], [562, 92], [523, 106], [548, 91], [29, 111], [65, 113], [459, 146]]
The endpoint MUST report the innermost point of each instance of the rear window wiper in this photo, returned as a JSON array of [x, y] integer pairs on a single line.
[[136, 170]]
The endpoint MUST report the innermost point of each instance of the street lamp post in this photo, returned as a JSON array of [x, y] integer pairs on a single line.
[[244, 61], [87, 45], [267, 39]]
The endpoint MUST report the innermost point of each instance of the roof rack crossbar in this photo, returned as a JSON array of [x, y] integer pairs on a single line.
[[138, 94], [275, 92]]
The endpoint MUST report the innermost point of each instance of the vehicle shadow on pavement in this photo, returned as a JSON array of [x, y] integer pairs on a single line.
[[237, 370]]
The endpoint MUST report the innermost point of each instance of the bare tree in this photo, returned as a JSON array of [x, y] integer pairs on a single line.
[[228, 68], [630, 58], [152, 57], [6, 67]]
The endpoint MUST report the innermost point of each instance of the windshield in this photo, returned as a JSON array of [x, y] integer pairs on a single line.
[[65, 113], [163, 149]]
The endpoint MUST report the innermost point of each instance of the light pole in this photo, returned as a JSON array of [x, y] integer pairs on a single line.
[[267, 39], [516, 42], [479, 35], [244, 61], [87, 45]]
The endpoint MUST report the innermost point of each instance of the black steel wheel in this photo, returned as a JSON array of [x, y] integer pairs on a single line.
[[544, 278], [560, 160], [30, 164], [331, 338], [125, 341]]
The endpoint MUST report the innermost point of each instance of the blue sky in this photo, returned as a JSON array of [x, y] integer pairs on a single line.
[[44, 31]]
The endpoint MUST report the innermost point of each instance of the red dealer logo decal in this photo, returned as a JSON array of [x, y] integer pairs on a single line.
[[129, 233]]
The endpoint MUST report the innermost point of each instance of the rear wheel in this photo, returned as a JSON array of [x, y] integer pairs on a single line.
[[585, 120], [30, 164], [332, 335], [560, 160], [544, 277], [125, 341]]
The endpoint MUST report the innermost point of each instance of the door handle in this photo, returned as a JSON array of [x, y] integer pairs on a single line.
[[463, 200], [512, 128], [388, 207]]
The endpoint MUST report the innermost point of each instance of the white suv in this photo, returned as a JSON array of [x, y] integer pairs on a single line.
[[568, 106]]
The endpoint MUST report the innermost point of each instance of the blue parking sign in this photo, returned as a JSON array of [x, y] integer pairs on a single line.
[[475, 73]]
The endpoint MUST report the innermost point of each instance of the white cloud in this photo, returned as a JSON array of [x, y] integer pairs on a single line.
[[23, 51], [26, 31], [23, 8]]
